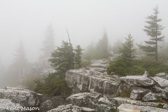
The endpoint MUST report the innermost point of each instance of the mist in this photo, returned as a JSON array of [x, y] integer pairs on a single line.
[[86, 20]]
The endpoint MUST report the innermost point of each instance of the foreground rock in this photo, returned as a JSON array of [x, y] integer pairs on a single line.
[[162, 75], [165, 93], [71, 108], [8, 106], [138, 93], [161, 81], [91, 100], [53, 102], [152, 97], [139, 81], [22, 96], [135, 108], [119, 101]]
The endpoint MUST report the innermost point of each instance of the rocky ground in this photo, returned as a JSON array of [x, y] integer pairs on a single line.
[[95, 91]]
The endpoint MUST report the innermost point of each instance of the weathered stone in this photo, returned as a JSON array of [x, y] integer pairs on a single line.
[[51, 103], [165, 93], [162, 75], [162, 82], [67, 108], [71, 108], [138, 93], [135, 108], [99, 64], [138, 81], [7, 106], [84, 99], [86, 80], [152, 97], [120, 100], [78, 79], [22, 96], [91, 100], [124, 90]]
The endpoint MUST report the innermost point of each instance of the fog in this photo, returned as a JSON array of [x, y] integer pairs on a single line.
[[86, 20]]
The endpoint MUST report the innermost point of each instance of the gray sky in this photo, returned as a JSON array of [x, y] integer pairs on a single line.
[[86, 20]]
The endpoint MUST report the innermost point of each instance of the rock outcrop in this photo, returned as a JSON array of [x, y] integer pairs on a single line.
[[22, 96], [90, 80], [97, 90]]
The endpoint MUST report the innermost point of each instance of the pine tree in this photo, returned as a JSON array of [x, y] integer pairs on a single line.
[[89, 52], [62, 59], [127, 50], [48, 44], [20, 67], [102, 47], [153, 29], [78, 53]]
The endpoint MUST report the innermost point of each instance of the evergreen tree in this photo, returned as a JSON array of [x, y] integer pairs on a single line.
[[78, 53], [153, 29], [127, 50], [20, 67], [89, 52], [62, 59], [116, 46], [48, 44], [102, 47]]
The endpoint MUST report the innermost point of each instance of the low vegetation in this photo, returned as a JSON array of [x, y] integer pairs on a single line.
[[136, 67], [52, 85]]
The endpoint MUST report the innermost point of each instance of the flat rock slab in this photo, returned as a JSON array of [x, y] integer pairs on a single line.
[[134, 108], [161, 81], [120, 100], [138, 81]]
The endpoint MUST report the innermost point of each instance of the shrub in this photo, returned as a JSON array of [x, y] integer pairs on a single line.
[[29, 81], [136, 67], [52, 85]]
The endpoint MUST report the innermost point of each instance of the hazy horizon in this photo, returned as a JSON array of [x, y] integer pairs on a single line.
[[86, 20]]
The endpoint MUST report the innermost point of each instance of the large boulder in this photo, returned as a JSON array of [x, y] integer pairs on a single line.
[[52, 102], [84, 99], [82, 80], [152, 97], [22, 96], [91, 100], [71, 108], [161, 81], [162, 75], [139, 81], [135, 108], [7, 105], [104, 85], [78, 79], [138, 93], [165, 93]]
